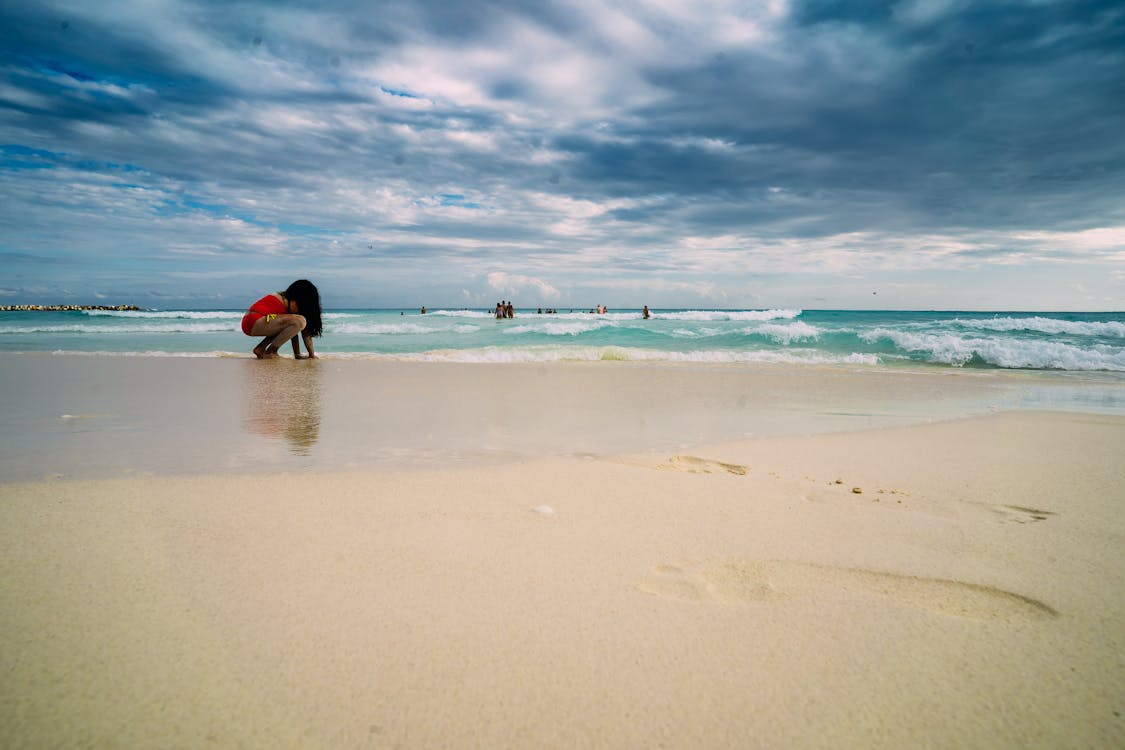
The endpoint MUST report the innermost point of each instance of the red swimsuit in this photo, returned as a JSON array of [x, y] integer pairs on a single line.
[[266, 307]]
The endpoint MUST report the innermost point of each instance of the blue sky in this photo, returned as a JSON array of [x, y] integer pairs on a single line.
[[703, 153]]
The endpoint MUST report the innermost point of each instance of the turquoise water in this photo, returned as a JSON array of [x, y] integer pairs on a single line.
[[1077, 342]]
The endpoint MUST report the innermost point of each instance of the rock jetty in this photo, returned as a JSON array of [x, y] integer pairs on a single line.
[[65, 308]]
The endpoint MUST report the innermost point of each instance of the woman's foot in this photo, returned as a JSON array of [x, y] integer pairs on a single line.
[[265, 352]]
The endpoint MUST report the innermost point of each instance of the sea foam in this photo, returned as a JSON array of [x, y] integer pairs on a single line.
[[543, 354], [785, 333], [95, 329], [734, 315], [166, 314], [1046, 325], [951, 349], [383, 329]]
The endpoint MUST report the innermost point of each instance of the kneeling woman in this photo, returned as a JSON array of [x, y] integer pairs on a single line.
[[280, 316]]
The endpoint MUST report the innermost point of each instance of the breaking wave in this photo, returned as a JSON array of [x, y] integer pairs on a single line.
[[951, 349], [732, 315], [1040, 324], [164, 315]]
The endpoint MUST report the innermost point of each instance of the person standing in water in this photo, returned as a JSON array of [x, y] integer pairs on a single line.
[[280, 316]]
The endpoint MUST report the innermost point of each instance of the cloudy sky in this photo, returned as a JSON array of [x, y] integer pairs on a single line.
[[677, 153]]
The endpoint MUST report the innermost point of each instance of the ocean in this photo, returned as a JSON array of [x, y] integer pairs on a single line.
[[1068, 342]]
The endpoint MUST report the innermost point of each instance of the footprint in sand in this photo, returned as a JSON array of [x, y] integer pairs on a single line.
[[1004, 513], [724, 583], [697, 465], [1020, 514], [767, 581]]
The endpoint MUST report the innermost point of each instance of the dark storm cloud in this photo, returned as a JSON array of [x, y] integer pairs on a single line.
[[35, 39], [958, 119]]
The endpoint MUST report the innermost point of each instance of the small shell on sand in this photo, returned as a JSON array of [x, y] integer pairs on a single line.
[[857, 490], [546, 510]]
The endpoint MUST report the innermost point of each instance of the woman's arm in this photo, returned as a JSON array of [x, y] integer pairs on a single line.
[[308, 345]]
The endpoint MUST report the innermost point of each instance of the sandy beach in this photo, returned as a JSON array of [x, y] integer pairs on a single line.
[[599, 556]]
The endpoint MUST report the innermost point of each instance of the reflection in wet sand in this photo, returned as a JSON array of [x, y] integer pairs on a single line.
[[281, 399]]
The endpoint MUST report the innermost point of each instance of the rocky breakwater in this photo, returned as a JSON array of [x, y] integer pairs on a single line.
[[65, 308]]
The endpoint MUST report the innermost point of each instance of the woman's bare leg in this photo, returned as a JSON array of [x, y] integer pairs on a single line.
[[260, 349], [275, 332]]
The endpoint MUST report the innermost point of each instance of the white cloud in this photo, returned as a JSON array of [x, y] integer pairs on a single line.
[[516, 285], [1098, 238]]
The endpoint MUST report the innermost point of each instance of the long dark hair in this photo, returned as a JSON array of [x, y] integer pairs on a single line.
[[304, 293]]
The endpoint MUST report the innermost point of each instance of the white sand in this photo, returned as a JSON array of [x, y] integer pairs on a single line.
[[525, 557], [737, 595]]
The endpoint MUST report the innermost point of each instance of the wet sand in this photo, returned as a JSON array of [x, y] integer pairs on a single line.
[[82, 416]]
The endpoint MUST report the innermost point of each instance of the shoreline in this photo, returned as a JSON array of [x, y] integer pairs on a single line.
[[736, 594]]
